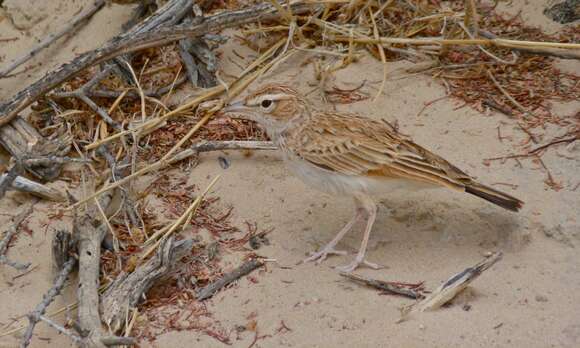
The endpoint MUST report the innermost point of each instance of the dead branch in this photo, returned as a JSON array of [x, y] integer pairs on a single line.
[[23, 184], [81, 94], [200, 62], [89, 231], [169, 14], [9, 234], [212, 288], [7, 179], [118, 172], [24, 142], [192, 151], [73, 25], [76, 338], [392, 287], [48, 160], [18, 135], [38, 312], [90, 238], [111, 341], [62, 247], [123, 45], [208, 146], [453, 286], [128, 289], [101, 93]]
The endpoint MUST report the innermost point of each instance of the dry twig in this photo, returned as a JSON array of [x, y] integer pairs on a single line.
[[11, 232], [391, 287], [210, 289], [36, 315]]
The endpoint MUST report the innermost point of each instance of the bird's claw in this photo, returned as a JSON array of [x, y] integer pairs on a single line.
[[321, 255], [356, 263]]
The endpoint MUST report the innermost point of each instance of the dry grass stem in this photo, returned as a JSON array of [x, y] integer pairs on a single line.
[[190, 210]]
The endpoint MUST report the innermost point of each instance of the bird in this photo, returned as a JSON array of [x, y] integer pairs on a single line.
[[350, 155]]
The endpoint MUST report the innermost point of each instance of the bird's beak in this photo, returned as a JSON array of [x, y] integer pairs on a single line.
[[236, 107]]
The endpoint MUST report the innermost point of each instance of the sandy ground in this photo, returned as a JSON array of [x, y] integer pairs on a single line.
[[530, 299]]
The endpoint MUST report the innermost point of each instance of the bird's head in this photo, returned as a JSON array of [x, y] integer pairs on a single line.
[[272, 106]]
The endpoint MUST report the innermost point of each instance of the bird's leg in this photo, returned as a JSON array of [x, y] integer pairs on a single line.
[[328, 249], [370, 209]]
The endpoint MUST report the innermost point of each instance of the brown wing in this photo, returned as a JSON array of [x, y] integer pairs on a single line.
[[353, 145]]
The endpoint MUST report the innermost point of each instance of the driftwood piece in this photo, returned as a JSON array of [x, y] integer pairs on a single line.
[[391, 287], [23, 184], [128, 289], [11, 232], [90, 235], [71, 26], [453, 286], [212, 288], [123, 45], [24, 142], [90, 231]]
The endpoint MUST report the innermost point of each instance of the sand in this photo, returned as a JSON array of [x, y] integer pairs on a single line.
[[529, 299]]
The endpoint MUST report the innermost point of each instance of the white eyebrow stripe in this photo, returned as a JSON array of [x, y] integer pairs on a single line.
[[279, 96], [275, 96]]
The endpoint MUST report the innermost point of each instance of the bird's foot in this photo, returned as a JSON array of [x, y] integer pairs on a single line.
[[321, 254], [358, 261]]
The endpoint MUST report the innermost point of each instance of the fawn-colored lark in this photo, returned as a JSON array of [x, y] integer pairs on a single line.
[[348, 154]]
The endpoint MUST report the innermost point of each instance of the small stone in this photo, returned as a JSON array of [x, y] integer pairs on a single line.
[[240, 328], [541, 298]]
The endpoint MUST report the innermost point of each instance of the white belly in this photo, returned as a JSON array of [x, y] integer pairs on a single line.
[[340, 184]]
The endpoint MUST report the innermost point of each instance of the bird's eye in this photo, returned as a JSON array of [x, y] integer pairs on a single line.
[[266, 103]]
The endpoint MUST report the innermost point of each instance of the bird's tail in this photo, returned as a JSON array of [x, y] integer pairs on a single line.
[[494, 196]]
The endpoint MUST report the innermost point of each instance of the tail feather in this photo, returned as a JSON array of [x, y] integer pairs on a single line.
[[494, 196]]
